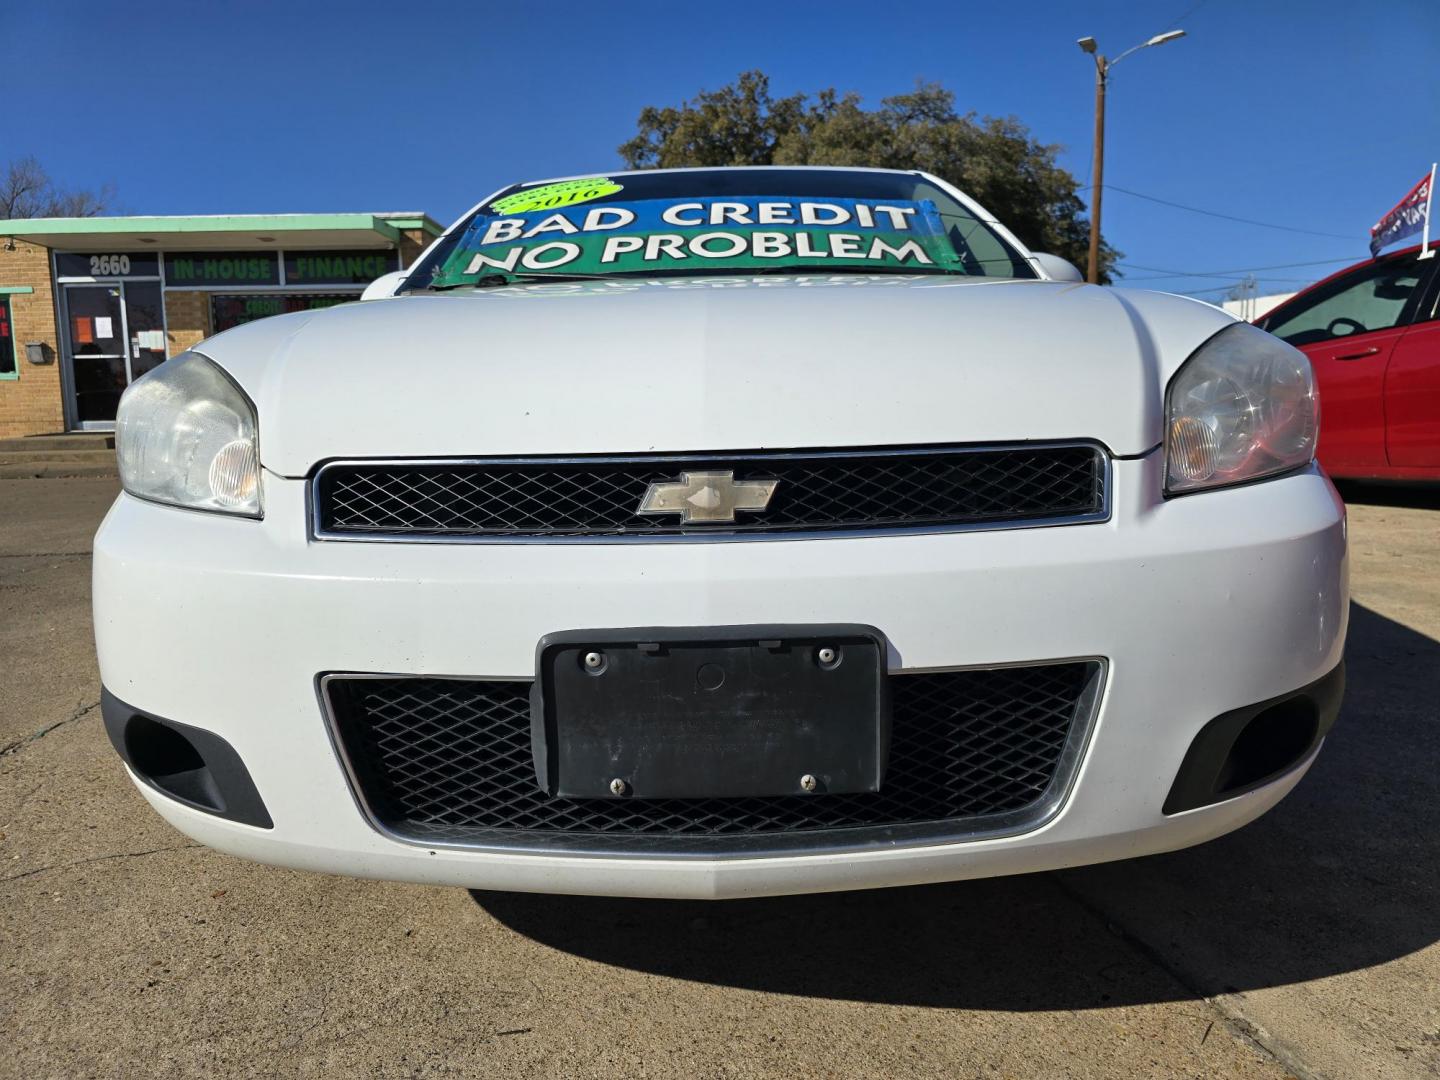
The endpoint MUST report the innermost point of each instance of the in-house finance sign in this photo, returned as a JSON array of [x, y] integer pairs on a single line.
[[207, 269], [703, 235]]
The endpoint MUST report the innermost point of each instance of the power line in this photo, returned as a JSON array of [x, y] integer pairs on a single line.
[[1240, 281], [1287, 280], [1159, 272], [1177, 21], [1226, 217], [1230, 287], [1206, 292]]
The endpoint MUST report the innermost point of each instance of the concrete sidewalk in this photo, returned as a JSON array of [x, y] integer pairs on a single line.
[[1304, 945]]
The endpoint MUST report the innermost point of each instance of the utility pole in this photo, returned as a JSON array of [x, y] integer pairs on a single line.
[[1097, 170]]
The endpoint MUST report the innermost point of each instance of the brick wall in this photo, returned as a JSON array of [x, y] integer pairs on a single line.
[[187, 320], [31, 404]]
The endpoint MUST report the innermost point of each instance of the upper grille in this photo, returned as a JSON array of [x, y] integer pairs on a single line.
[[820, 490], [449, 760]]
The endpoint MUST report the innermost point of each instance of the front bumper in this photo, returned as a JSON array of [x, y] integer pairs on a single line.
[[1198, 606]]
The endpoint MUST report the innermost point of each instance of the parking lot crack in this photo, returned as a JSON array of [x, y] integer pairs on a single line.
[[46, 555], [36, 736], [99, 858], [1240, 1027]]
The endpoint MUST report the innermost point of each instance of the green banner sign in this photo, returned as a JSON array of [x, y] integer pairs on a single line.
[[704, 236]]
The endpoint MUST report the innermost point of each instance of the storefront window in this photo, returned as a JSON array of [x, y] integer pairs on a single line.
[[228, 311], [145, 322], [8, 362]]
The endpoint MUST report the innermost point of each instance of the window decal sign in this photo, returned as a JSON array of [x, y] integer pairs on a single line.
[[338, 267], [202, 268], [703, 235], [556, 196]]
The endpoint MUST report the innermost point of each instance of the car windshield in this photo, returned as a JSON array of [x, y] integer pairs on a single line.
[[706, 222]]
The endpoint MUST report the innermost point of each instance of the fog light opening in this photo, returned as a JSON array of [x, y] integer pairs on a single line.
[[1270, 744], [167, 759]]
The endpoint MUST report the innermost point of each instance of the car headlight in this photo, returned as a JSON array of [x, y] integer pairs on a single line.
[[1242, 407], [186, 435]]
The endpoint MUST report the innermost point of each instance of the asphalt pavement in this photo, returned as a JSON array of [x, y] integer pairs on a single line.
[[1303, 945]]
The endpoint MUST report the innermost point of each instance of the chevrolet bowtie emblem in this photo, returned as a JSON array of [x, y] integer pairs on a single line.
[[707, 496]]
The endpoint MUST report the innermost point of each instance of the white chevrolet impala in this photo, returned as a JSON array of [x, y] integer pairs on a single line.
[[722, 532]]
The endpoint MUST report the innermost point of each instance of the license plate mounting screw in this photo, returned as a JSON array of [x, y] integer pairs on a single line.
[[827, 655], [808, 782], [594, 662], [618, 787]]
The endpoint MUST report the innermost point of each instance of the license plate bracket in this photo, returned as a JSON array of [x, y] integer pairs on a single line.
[[711, 712]]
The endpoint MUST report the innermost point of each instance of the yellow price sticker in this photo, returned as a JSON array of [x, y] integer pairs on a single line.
[[555, 196]]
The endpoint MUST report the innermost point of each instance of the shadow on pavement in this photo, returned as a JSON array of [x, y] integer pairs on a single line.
[[1341, 876], [1373, 493]]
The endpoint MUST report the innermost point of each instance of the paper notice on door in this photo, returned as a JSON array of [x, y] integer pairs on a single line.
[[84, 333], [104, 328], [152, 339]]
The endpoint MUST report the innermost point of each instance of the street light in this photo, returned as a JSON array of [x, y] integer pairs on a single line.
[[1102, 74]]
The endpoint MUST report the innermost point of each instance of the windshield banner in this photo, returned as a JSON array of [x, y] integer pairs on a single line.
[[702, 235]]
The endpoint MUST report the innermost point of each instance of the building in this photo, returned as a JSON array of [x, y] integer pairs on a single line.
[[1251, 308], [88, 305]]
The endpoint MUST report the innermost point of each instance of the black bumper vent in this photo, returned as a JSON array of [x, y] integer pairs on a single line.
[[860, 490], [449, 760]]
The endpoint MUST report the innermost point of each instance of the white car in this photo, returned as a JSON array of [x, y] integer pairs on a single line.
[[717, 533]]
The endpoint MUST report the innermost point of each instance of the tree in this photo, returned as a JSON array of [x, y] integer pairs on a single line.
[[26, 191], [994, 160]]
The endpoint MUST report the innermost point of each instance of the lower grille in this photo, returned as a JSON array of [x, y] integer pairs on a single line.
[[449, 761], [813, 491]]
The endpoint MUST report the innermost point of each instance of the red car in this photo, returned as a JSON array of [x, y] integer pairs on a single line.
[[1373, 334]]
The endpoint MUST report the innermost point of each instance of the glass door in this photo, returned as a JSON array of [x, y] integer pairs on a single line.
[[99, 362], [145, 326], [113, 335]]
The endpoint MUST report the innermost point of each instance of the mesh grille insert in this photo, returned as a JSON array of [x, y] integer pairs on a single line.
[[816, 491], [447, 759]]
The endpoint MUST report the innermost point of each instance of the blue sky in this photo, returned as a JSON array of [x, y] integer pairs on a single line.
[[1317, 115]]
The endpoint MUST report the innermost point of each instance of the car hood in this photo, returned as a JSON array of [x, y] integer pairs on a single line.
[[713, 364]]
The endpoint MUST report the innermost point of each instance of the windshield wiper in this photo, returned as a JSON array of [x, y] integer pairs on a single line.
[[523, 277], [826, 271], [500, 278]]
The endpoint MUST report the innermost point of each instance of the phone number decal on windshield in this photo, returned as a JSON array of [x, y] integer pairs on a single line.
[[703, 234]]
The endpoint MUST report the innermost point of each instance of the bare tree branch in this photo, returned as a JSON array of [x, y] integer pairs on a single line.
[[26, 191], [20, 191]]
